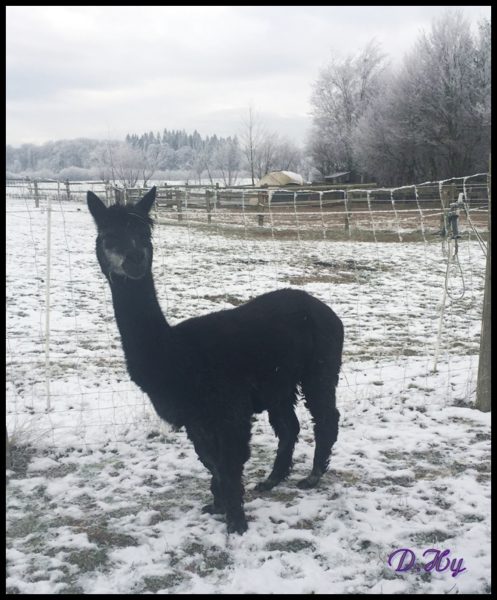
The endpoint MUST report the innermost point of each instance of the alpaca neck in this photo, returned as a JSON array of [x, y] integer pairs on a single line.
[[157, 360], [145, 334], [138, 313]]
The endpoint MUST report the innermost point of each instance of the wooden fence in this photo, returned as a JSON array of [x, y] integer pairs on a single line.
[[314, 207]]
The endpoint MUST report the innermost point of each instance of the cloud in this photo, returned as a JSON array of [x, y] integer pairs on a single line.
[[74, 70]]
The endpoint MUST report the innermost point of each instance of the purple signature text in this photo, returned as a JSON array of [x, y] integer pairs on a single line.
[[404, 559]]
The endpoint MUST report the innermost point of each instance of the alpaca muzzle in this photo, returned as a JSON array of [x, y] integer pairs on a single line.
[[135, 265]]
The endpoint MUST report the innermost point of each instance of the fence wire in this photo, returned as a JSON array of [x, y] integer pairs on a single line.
[[376, 256]]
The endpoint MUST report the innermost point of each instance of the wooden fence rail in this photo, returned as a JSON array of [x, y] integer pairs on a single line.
[[258, 203]]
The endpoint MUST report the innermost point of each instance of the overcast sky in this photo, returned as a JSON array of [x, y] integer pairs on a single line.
[[102, 72]]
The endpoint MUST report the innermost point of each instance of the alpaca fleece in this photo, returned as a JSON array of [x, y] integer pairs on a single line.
[[211, 373]]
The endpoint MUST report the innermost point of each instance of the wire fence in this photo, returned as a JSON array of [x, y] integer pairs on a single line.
[[404, 268]]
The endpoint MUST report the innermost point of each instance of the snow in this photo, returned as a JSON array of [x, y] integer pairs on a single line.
[[104, 498]]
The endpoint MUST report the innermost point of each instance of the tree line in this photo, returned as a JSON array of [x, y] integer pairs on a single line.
[[168, 155], [428, 118]]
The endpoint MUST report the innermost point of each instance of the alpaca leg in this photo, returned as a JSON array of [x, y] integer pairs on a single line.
[[216, 507], [205, 445], [286, 426], [235, 451], [232, 494], [320, 399]]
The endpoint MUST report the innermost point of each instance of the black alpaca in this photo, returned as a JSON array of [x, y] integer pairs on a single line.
[[210, 374]]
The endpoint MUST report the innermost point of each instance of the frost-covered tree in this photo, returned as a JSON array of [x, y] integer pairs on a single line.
[[482, 84], [120, 163], [227, 160], [433, 118], [442, 67], [251, 139], [341, 94], [288, 156], [265, 157], [151, 160], [264, 150]]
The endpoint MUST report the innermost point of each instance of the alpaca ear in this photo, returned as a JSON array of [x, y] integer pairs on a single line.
[[96, 206], [145, 204]]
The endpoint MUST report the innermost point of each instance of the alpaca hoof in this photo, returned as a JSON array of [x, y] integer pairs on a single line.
[[212, 509], [308, 482], [237, 524], [266, 485]]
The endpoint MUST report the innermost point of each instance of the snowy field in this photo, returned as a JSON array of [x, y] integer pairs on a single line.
[[103, 498]]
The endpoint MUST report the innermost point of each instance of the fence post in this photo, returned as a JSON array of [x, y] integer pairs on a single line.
[[346, 206], [68, 189], [187, 197], [47, 302], [484, 364], [444, 200], [7, 449], [179, 204], [261, 205], [216, 199], [208, 204], [37, 195]]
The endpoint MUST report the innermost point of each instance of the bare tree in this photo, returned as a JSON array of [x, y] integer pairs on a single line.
[[119, 163], [251, 139], [127, 163], [150, 160], [100, 159], [227, 160], [265, 157], [288, 155]]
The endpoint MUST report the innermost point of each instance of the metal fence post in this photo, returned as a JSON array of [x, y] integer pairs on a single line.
[[484, 365], [445, 202], [347, 217]]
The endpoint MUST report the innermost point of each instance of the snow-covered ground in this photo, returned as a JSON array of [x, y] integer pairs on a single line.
[[103, 498]]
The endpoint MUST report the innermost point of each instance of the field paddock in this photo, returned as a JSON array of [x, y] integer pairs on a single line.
[[103, 498]]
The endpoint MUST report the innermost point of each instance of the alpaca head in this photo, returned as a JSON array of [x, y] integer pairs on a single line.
[[124, 246]]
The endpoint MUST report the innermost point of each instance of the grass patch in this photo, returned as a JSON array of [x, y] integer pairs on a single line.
[[318, 278], [103, 537], [89, 559], [228, 298], [295, 545], [164, 582], [431, 537]]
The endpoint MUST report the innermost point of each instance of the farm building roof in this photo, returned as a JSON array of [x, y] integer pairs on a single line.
[[282, 178], [334, 175]]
